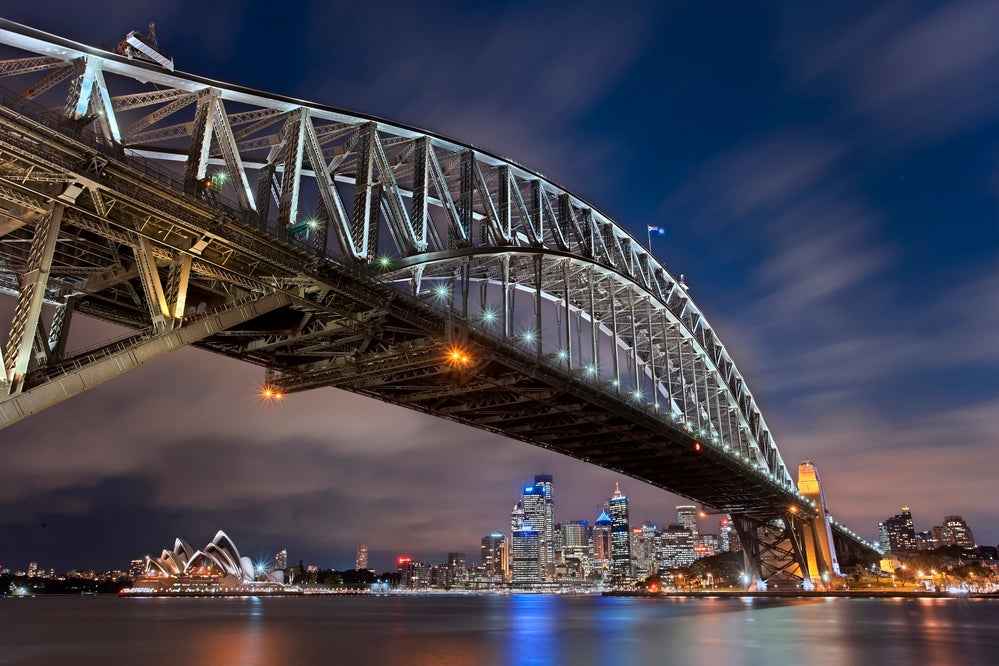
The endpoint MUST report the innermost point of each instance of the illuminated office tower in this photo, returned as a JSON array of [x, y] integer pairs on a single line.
[[617, 509], [545, 482], [955, 532], [457, 570], [536, 509], [725, 535], [361, 558], [526, 556], [281, 561], [602, 543], [643, 550], [686, 515], [575, 548], [676, 548], [494, 554], [897, 532]]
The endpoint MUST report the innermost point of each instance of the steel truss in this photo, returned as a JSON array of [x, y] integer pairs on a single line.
[[381, 249]]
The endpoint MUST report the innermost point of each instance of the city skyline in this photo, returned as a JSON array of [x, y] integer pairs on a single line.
[[859, 306]]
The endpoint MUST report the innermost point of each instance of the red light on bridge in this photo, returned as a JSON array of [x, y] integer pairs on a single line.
[[697, 446]]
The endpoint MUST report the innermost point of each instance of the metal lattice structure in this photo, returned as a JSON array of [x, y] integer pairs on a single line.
[[340, 250]]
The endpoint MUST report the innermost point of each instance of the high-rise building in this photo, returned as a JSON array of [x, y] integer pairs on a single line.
[[536, 508], [32, 569], [897, 532], [494, 555], [548, 536], [617, 509], [526, 547], [725, 535], [686, 515], [707, 545], [413, 575], [281, 561], [676, 547], [457, 570], [643, 550], [602, 543], [955, 532], [575, 548], [361, 558]]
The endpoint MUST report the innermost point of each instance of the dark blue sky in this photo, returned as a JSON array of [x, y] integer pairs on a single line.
[[828, 177]]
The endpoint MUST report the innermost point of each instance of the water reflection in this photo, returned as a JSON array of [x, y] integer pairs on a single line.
[[520, 629]]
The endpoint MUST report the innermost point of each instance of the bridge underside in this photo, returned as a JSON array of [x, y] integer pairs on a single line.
[[505, 303]]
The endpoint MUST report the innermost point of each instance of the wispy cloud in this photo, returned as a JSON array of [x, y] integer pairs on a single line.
[[925, 70]]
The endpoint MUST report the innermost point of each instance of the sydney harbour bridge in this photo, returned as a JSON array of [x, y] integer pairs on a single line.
[[334, 249]]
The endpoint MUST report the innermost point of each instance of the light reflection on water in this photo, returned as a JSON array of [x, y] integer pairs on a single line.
[[520, 629]]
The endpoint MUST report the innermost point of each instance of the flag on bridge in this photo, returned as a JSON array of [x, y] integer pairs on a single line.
[[656, 231]]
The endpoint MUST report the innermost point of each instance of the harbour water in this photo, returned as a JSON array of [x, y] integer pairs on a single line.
[[518, 629]]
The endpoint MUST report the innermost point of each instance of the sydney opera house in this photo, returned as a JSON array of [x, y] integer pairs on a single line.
[[215, 570]]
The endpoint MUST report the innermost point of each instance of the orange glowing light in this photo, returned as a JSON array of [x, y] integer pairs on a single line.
[[458, 356], [697, 446]]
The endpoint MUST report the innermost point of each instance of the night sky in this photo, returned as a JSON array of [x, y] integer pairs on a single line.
[[829, 180]]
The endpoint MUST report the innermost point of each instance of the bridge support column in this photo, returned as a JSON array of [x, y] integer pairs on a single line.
[[818, 540], [28, 310], [772, 551]]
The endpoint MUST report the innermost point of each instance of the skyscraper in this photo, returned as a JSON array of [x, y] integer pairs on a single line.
[[526, 556], [361, 558], [575, 548], [536, 508], [676, 548], [897, 532], [725, 535], [602, 542], [617, 509], [457, 570], [686, 515], [494, 555], [547, 554]]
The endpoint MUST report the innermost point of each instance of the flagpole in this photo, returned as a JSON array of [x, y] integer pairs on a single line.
[[648, 230]]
